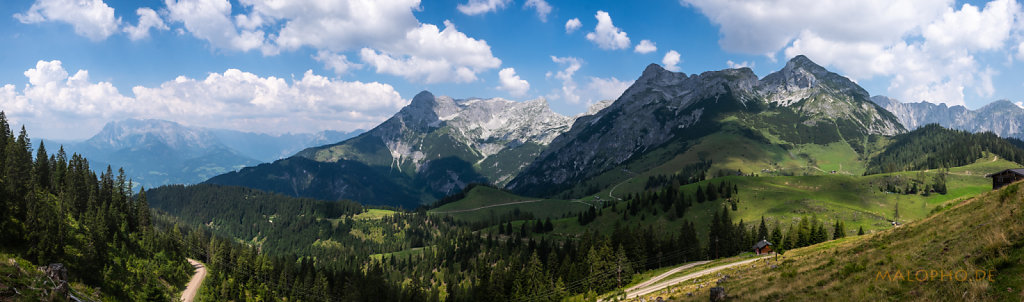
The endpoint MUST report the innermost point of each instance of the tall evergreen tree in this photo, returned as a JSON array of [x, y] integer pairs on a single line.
[[776, 236], [838, 230], [762, 230], [42, 168], [143, 208]]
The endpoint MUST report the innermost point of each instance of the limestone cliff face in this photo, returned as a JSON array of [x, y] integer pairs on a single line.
[[1002, 117]]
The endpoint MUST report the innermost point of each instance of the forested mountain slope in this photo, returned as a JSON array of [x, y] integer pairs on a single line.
[[54, 209], [935, 147]]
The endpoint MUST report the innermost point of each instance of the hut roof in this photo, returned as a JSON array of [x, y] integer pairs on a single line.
[[1017, 171]]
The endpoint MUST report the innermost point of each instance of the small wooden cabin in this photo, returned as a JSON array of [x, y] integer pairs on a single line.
[[1005, 177], [763, 247]]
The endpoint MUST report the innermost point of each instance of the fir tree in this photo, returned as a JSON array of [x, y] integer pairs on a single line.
[[762, 230], [42, 168]]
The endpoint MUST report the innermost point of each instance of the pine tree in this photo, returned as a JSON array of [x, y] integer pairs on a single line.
[[712, 193], [42, 168], [792, 237], [838, 230], [18, 174], [803, 234], [762, 230], [776, 235], [623, 269], [143, 208], [860, 232], [5, 198]]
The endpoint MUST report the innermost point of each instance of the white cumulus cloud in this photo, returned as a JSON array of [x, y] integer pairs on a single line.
[[478, 7], [337, 62], [92, 19], [671, 60], [568, 90], [606, 88], [606, 35], [511, 82], [572, 25], [75, 107], [210, 20], [394, 37], [732, 64], [147, 19], [431, 55], [973, 29], [929, 50], [645, 46], [594, 90], [542, 7], [1020, 51]]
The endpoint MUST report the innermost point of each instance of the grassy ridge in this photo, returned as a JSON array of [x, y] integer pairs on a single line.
[[982, 234], [483, 204]]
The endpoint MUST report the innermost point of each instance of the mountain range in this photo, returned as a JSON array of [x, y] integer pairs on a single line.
[[158, 152], [666, 113], [802, 119], [433, 147], [1001, 117], [437, 145]]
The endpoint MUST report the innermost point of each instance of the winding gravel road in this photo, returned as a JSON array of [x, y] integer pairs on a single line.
[[193, 284]]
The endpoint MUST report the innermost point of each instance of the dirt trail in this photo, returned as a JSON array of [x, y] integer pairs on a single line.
[[636, 292], [489, 206], [193, 284], [664, 275]]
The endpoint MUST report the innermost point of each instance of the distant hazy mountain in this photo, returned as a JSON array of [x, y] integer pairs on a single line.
[[433, 147], [157, 152], [268, 148], [1000, 117]]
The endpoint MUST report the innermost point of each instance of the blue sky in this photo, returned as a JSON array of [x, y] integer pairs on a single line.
[[68, 67]]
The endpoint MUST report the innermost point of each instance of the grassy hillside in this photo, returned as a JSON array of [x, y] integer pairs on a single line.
[[858, 201], [486, 204], [739, 145], [972, 251]]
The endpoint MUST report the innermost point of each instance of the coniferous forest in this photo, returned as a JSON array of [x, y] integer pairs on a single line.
[[935, 147], [55, 209]]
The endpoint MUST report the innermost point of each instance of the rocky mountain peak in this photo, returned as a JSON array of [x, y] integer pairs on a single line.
[[424, 98], [801, 78], [657, 75], [799, 73], [1001, 105], [134, 132]]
